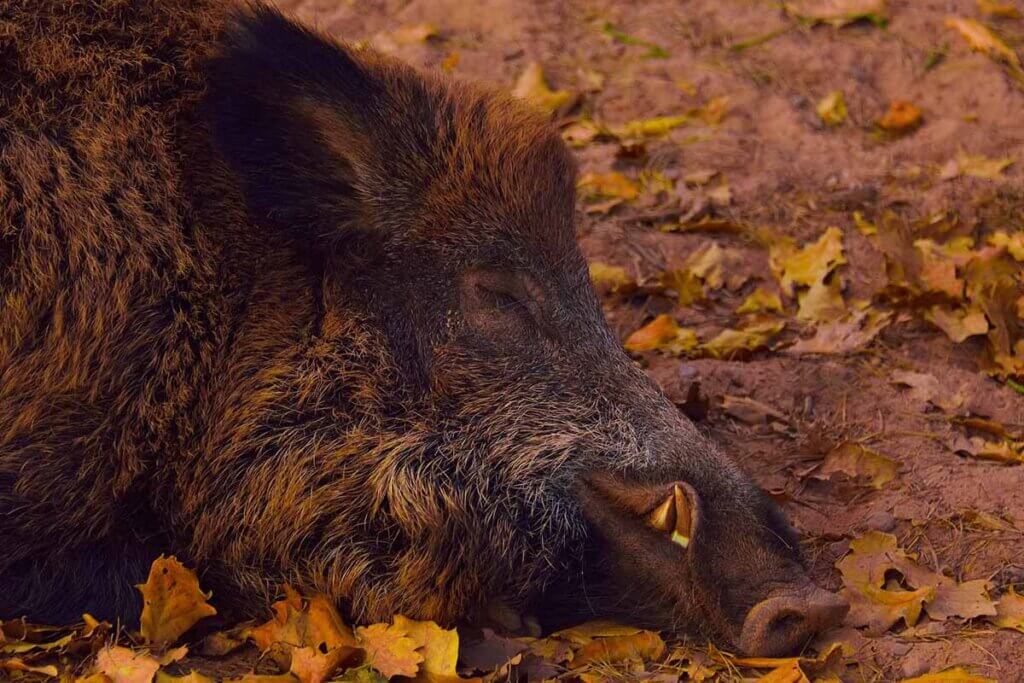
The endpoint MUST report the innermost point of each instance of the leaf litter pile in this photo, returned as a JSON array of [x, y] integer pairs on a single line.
[[806, 220]]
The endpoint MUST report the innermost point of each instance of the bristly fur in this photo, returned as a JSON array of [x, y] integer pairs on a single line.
[[239, 323]]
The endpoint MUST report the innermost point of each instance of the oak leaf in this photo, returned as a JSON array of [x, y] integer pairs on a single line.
[[859, 462], [439, 647], [122, 665], [390, 650]]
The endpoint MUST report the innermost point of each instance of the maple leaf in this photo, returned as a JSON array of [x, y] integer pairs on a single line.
[[314, 665], [610, 279], [849, 333], [389, 649], [926, 388], [822, 302], [533, 87], [959, 324], [1010, 611], [732, 343], [688, 286], [856, 461], [807, 265], [439, 648], [122, 665], [172, 602], [760, 300]]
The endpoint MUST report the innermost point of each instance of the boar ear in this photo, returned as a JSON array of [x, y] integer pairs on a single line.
[[293, 114]]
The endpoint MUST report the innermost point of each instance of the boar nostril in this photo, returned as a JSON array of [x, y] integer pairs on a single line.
[[785, 622]]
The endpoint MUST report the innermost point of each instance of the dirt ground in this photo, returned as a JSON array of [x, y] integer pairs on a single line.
[[788, 171]]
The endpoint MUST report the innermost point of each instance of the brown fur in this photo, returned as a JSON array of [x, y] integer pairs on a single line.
[[300, 313]]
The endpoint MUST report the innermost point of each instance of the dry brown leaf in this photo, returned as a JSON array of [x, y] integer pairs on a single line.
[[584, 633], [1003, 10], [926, 388], [848, 334], [859, 462], [957, 323], [122, 665], [832, 108], [172, 602], [938, 270], [750, 411], [662, 334], [981, 39], [954, 675], [975, 166], [390, 650], [965, 600], [902, 117], [533, 87], [1010, 611]]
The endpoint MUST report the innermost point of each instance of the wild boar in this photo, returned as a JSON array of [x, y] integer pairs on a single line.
[[295, 311]]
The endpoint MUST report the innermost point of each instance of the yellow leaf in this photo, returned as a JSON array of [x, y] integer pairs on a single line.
[[957, 323], [866, 227], [856, 462], [390, 650], [902, 117], [610, 279], [607, 185], [533, 87], [416, 33], [587, 631], [954, 675], [822, 302], [1014, 244], [847, 334], [1010, 611], [439, 647], [451, 61], [16, 664], [730, 343], [938, 269], [976, 166], [298, 623], [1004, 10], [810, 264], [263, 678], [981, 39], [122, 665], [832, 108], [787, 673], [172, 602], [759, 301], [653, 127], [662, 334], [689, 288]]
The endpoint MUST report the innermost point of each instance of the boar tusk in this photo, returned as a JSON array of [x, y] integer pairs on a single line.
[[684, 517], [663, 517]]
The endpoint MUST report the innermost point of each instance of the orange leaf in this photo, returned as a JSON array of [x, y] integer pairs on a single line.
[[390, 650], [122, 665], [172, 602]]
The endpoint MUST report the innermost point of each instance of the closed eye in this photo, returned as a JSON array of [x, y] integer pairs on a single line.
[[502, 300]]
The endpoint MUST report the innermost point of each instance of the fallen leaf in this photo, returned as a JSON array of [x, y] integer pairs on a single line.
[[730, 343], [417, 33], [902, 117], [975, 166], [832, 108], [957, 323], [1010, 611], [122, 665], [439, 647], [810, 264], [611, 185], [938, 271], [450, 61], [750, 411], [1003, 10], [866, 227], [926, 388], [662, 334], [981, 39], [641, 646], [837, 13], [533, 87], [313, 665], [263, 678], [653, 127], [858, 462], [172, 602], [16, 664], [954, 675], [220, 643], [1014, 244], [845, 335], [687, 285], [965, 600], [390, 650], [190, 677], [609, 279], [760, 300], [822, 302], [584, 633]]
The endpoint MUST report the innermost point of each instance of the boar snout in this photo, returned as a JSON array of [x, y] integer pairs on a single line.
[[787, 620]]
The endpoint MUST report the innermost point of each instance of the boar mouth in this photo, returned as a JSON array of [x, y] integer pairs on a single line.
[[650, 529]]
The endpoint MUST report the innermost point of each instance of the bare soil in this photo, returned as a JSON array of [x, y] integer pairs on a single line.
[[789, 172]]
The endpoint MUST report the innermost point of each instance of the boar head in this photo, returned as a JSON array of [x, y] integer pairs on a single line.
[[482, 433]]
